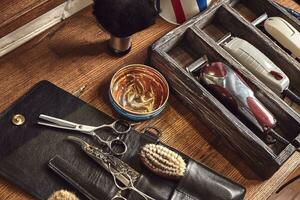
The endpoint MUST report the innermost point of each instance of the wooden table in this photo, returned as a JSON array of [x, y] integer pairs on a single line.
[[74, 53]]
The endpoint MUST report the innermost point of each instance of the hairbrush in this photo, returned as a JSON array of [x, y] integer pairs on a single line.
[[163, 161]]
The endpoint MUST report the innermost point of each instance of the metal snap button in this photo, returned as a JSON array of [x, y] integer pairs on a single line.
[[18, 119]]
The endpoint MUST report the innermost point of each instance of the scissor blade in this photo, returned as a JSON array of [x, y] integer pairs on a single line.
[[79, 141], [58, 121], [56, 126], [64, 124]]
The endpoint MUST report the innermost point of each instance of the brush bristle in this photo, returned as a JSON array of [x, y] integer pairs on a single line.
[[122, 18], [63, 195]]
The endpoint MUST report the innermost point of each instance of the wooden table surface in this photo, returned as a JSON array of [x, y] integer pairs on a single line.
[[74, 54]]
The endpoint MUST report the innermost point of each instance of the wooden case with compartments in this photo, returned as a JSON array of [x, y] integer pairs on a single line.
[[185, 45]]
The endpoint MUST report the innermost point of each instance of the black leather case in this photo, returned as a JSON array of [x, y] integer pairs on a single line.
[[26, 150]]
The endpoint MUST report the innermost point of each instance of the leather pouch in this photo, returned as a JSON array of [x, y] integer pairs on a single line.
[[25, 152], [73, 176], [200, 182]]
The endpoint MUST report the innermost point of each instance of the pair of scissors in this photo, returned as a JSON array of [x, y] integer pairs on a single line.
[[120, 170], [115, 145]]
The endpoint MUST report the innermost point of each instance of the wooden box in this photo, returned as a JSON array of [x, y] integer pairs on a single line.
[[185, 45]]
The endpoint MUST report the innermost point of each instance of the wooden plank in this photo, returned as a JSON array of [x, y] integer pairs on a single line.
[[14, 13], [70, 59]]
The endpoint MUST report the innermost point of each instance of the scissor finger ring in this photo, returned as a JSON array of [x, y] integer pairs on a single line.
[[121, 126], [117, 146]]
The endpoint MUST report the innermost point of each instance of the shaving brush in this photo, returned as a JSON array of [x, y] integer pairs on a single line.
[[123, 18]]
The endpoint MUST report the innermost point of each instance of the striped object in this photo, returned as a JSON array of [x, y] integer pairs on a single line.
[[178, 11]]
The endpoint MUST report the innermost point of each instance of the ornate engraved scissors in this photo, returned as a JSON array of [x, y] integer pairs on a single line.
[[120, 171], [116, 145]]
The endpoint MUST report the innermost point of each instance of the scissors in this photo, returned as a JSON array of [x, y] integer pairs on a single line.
[[116, 145], [120, 170]]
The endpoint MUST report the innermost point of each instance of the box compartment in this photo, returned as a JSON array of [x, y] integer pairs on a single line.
[[184, 46], [250, 10], [226, 20]]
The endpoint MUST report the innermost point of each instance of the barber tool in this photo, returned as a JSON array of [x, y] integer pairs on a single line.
[[230, 87], [285, 34], [162, 161], [124, 18], [258, 63], [227, 84], [261, 66], [138, 92], [117, 168], [119, 127], [63, 195]]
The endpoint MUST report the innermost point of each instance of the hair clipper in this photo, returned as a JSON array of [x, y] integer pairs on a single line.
[[258, 63], [230, 87]]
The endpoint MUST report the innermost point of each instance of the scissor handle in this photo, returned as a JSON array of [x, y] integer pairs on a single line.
[[128, 187], [121, 126], [116, 145], [118, 196], [114, 174]]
